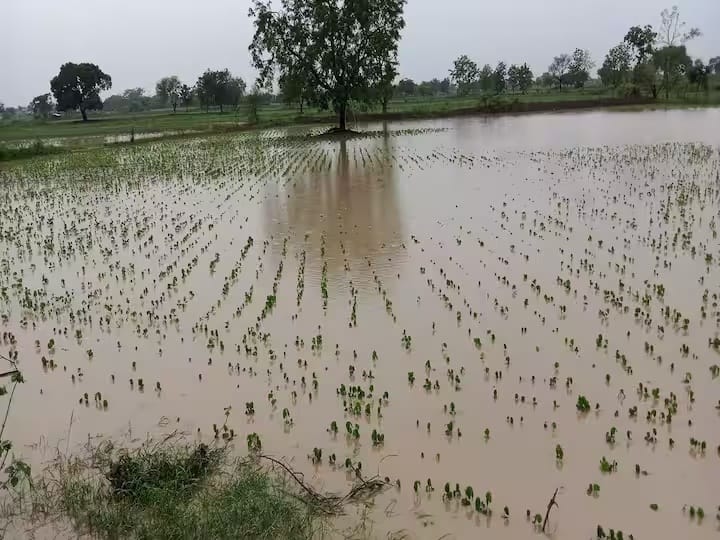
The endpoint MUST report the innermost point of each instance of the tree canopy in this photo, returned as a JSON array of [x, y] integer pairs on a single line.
[[465, 74], [616, 67], [340, 47], [78, 86], [186, 95], [559, 69], [168, 90], [219, 88], [41, 105], [579, 69]]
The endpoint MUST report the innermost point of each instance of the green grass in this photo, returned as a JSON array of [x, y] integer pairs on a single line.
[[171, 491]]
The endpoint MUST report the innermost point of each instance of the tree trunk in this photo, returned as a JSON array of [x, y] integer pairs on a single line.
[[84, 114], [174, 107], [384, 105], [301, 104], [341, 116], [221, 108]]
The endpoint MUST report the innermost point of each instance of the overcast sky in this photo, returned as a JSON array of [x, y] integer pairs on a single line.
[[139, 41]]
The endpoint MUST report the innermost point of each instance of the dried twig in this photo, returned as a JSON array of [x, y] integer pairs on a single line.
[[549, 506], [331, 504]]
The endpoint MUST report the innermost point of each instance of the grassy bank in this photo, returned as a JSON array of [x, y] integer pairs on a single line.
[[21, 138], [171, 490]]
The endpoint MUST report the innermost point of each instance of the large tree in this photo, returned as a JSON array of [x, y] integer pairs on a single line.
[[559, 69], [78, 86], [465, 74], [616, 67], [41, 105], [167, 90], [340, 46]]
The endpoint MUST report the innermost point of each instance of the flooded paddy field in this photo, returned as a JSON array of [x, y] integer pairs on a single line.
[[510, 305]]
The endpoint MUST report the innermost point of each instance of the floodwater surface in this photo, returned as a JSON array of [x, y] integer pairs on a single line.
[[445, 294]]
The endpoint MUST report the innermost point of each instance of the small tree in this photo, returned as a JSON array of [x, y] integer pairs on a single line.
[[512, 77], [616, 67], [579, 69], [406, 87], [78, 86], [136, 99], [41, 105], [465, 74], [524, 78], [218, 88], [253, 103], [642, 41], [445, 86], [186, 96], [713, 65], [233, 92], [698, 74], [559, 69], [485, 78], [167, 90], [499, 78], [384, 86], [293, 87]]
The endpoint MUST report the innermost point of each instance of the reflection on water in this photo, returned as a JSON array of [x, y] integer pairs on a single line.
[[349, 202]]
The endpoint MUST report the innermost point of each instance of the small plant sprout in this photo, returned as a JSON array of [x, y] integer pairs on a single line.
[[582, 405]]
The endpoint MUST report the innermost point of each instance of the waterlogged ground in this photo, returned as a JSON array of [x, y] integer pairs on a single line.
[[441, 293]]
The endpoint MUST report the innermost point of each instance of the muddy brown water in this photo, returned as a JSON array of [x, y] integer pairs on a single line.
[[525, 232]]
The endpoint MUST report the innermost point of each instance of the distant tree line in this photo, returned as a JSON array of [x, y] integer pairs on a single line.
[[296, 48], [469, 79]]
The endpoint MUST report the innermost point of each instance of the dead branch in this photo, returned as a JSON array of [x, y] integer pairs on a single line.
[[331, 504], [549, 507]]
